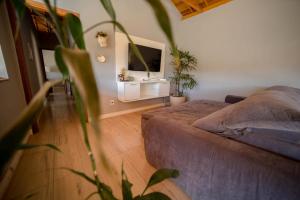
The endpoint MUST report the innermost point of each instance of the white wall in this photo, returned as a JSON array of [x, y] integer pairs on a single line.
[[137, 18], [243, 46], [52, 71]]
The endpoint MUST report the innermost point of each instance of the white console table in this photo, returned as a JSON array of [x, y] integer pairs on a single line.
[[141, 90]]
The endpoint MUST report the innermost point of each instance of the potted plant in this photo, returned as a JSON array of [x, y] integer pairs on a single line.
[[102, 39], [181, 78]]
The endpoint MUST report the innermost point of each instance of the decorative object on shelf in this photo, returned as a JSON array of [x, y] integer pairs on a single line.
[[181, 78], [123, 76], [101, 58], [102, 39]]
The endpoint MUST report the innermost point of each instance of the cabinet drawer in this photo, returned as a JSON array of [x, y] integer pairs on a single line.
[[164, 89], [131, 91]]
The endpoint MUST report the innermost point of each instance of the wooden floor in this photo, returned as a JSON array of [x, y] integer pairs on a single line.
[[39, 172]]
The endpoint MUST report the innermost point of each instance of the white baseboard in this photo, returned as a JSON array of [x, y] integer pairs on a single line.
[[11, 167], [123, 112]]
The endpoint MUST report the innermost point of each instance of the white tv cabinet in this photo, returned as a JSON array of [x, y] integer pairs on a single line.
[[141, 90]]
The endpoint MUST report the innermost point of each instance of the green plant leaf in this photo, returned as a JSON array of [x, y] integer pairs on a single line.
[[153, 196], [60, 62], [107, 195], [81, 71], [136, 51], [59, 30], [163, 19], [107, 5], [126, 186], [16, 133], [188, 81], [126, 190], [160, 175], [105, 190], [20, 8], [76, 30], [81, 174], [164, 22], [31, 146], [90, 195]]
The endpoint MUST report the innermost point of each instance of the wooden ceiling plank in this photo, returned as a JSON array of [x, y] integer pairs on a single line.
[[209, 7], [190, 15], [41, 7], [216, 4], [193, 3], [178, 5]]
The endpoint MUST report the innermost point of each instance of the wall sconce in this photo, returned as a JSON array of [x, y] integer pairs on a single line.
[[101, 58], [102, 39]]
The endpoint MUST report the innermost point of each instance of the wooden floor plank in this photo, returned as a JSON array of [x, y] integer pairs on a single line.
[[40, 171]]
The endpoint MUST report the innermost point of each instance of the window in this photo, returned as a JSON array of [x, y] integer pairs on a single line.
[[3, 71]]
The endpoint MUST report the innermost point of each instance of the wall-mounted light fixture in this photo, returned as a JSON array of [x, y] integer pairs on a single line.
[[102, 38], [101, 58]]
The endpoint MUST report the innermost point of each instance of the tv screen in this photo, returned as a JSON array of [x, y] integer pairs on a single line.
[[151, 56]]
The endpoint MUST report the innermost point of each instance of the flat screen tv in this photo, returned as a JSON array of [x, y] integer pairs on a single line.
[[151, 56]]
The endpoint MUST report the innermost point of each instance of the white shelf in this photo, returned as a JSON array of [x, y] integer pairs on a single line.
[[142, 90]]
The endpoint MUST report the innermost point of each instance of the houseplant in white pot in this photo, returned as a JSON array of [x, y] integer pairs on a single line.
[[181, 78]]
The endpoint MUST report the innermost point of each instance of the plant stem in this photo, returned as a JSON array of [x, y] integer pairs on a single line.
[[144, 191], [78, 101], [80, 110], [55, 31], [59, 31], [178, 85], [96, 25], [178, 88]]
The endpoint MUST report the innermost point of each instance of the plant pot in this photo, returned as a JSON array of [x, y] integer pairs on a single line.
[[102, 41], [177, 100]]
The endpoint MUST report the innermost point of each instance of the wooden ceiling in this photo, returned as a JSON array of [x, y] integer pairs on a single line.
[[189, 8], [39, 13]]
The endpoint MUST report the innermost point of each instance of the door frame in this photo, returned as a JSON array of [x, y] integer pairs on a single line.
[[21, 60]]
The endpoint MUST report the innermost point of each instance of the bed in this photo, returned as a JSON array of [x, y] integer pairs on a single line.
[[220, 166]]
